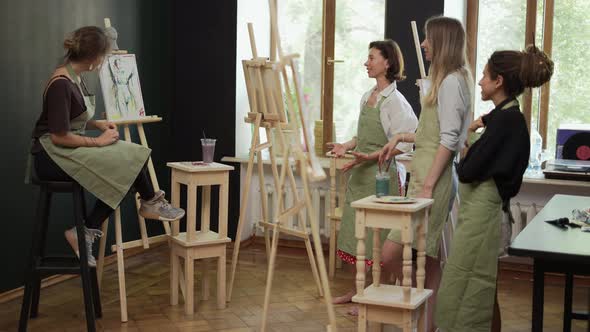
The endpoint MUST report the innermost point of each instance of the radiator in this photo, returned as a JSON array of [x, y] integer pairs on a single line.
[[320, 198]]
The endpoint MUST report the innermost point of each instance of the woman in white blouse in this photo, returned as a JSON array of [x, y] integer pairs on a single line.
[[385, 112]]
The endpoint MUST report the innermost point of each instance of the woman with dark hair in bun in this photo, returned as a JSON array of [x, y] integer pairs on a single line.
[[490, 174], [385, 112], [103, 165]]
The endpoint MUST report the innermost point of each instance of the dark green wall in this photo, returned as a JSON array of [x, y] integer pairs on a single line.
[[31, 35]]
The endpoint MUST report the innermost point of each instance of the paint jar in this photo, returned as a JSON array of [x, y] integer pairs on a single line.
[[382, 184]]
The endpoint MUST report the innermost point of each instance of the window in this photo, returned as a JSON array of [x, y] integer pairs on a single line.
[[300, 27], [564, 33], [569, 98], [501, 25]]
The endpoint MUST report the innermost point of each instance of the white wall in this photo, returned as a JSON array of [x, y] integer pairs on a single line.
[[456, 9]]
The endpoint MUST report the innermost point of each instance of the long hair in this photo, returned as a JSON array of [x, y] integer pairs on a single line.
[[446, 38]]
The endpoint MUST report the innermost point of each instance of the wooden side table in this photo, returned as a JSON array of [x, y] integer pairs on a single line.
[[403, 306], [198, 244]]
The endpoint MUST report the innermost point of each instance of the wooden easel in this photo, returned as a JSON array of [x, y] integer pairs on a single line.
[[145, 240], [308, 167], [263, 84]]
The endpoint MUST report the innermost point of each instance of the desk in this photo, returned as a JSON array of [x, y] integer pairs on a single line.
[[555, 250]]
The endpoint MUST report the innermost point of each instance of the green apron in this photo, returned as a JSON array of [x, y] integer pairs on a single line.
[[361, 183], [468, 287], [427, 142], [107, 172]]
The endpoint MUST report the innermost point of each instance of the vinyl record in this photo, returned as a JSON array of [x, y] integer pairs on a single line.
[[577, 147]]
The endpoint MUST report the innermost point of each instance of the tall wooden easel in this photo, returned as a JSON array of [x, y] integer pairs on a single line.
[[263, 83], [145, 240], [307, 165]]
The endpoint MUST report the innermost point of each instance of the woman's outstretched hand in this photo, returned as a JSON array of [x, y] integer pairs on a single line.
[[338, 149]]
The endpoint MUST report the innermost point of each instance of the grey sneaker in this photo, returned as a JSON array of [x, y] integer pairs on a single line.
[[90, 235], [158, 208]]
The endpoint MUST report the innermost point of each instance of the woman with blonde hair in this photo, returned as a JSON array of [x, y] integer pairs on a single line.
[[442, 130], [489, 174]]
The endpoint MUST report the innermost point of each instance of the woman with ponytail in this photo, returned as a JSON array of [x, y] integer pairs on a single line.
[[105, 166], [490, 174]]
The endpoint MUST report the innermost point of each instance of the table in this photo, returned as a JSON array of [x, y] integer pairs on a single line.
[[402, 306], [198, 244], [555, 250]]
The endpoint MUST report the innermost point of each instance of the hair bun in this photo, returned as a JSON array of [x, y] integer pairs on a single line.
[[536, 68], [71, 44]]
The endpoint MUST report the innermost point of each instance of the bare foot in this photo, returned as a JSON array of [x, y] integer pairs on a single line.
[[346, 298], [354, 311]]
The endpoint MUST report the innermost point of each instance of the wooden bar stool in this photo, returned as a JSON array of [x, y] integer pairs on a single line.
[[402, 306], [198, 244], [42, 265]]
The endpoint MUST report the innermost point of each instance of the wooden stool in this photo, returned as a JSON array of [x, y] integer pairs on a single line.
[[402, 306], [192, 244], [337, 197], [41, 265]]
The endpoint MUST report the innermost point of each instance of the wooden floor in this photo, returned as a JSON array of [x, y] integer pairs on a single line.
[[295, 304]]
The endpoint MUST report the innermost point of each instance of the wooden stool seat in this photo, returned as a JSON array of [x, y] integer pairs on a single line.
[[200, 244], [201, 239], [402, 306], [392, 296]]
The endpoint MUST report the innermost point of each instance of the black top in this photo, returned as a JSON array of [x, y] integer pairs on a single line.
[[62, 103], [501, 153]]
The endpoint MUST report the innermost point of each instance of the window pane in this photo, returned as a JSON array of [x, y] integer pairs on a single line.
[[357, 24], [300, 27], [569, 97], [501, 26]]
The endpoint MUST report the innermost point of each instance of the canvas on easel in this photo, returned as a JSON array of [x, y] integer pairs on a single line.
[[119, 80]]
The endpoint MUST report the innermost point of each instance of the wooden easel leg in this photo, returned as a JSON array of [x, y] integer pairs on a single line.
[[269, 275], [101, 248], [243, 206], [314, 266], [142, 228], [317, 242], [120, 265]]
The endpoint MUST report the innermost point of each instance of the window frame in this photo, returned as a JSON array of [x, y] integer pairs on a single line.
[[530, 31]]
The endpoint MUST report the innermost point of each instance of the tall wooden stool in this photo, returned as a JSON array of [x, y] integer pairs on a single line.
[[402, 306], [41, 265], [204, 243], [338, 182]]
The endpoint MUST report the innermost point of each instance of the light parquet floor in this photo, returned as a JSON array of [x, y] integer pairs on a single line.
[[295, 305]]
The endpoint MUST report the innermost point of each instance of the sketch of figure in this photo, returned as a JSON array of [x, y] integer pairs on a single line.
[[121, 77], [121, 89]]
